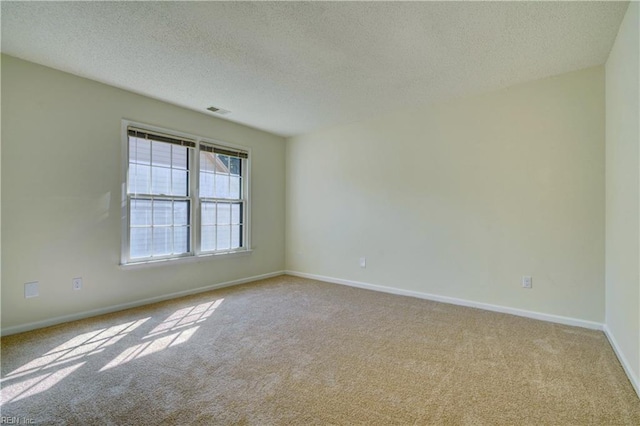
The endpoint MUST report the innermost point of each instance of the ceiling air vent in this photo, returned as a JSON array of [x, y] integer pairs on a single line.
[[218, 110]]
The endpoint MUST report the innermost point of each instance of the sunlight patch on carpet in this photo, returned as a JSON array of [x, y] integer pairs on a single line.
[[35, 385], [185, 317], [76, 348], [150, 347], [180, 325]]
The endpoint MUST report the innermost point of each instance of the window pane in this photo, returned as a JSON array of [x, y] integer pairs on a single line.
[[160, 178], [162, 214], [223, 237], [161, 154], [234, 166], [140, 244], [236, 237], [181, 212], [235, 190], [224, 214], [181, 239], [139, 151], [180, 157], [206, 185], [140, 212], [162, 241], [139, 179], [222, 163], [222, 186], [179, 184], [208, 238], [207, 161], [208, 213], [236, 215]]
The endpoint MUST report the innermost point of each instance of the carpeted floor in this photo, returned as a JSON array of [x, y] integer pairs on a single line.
[[294, 351]]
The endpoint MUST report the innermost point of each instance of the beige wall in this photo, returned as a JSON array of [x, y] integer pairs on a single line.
[[61, 186], [461, 200], [623, 192]]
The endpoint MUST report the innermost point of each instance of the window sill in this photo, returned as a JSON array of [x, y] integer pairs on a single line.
[[184, 259]]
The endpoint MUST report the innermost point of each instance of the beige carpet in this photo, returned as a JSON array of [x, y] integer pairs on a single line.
[[294, 351]]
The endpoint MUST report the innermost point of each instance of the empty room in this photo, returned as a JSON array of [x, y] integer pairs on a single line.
[[273, 213]]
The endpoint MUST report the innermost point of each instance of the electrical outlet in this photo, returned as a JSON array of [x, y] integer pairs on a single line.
[[526, 281], [363, 262], [31, 289], [77, 283]]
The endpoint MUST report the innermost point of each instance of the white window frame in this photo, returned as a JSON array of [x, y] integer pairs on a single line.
[[195, 252]]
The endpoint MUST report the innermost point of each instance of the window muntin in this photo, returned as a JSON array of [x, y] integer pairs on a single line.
[[159, 221]]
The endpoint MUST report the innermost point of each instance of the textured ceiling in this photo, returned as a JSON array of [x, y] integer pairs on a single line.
[[292, 67]]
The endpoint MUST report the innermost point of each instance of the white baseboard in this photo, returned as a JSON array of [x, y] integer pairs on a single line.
[[87, 314], [455, 301], [635, 380]]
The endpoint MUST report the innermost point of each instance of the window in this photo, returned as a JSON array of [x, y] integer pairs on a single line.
[[221, 198], [165, 215]]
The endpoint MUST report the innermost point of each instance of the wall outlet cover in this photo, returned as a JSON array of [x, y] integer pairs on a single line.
[[77, 283]]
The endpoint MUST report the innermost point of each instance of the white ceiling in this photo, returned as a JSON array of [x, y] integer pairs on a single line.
[[293, 67]]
